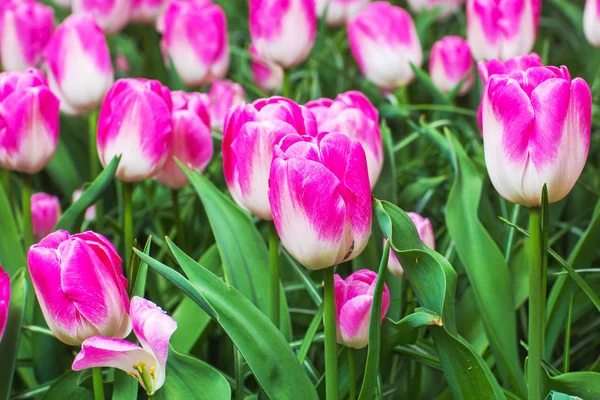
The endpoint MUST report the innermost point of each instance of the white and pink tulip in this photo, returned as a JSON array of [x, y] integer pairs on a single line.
[[450, 63], [268, 76], [111, 15], [591, 22], [223, 95], [426, 235], [45, 213]]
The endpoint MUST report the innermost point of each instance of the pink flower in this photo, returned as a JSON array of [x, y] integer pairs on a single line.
[[111, 15], [426, 234], [249, 134], [223, 95], [353, 301], [153, 328], [78, 64], [449, 63], [446, 7], [80, 286], [146, 11], [28, 121], [122, 63], [135, 121], [384, 42], [591, 22], [25, 29], [320, 198], [4, 300], [90, 213], [536, 131], [195, 38], [339, 11], [268, 76], [191, 143], [45, 213], [283, 31], [502, 28], [353, 115]]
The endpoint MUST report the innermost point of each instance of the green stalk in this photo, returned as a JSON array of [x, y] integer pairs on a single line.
[[98, 384], [285, 88], [27, 224], [274, 267], [128, 228], [239, 375], [94, 164], [331, 368], [352, 373], [177, 216], [537, 305], [6, 182]]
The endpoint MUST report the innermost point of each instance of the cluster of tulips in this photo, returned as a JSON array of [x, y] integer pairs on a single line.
[[310, 168]]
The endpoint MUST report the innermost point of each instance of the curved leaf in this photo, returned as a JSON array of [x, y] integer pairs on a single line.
[[11, 254], [66, 387]]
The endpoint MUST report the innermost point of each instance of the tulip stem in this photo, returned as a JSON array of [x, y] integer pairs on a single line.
[[285, 88], [274, 267], [128, 228], [352, 372], [537, 305], [98, 384], [331, 368], [27, 223], [177, 216]]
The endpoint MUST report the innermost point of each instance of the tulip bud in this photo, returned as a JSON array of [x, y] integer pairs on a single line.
[[426, 235], [591, 22], [28, 121], [353, 300], [195, 38], [45, 213], [283, 31], [268, 76], [536, 131], [449, 63], [384, 42], [320, 198], [111, 15], [502, 29], [191, 141], [223, 96], [249, 134], [135, 121], [338, 12], [4, 300], [25, 29], [353, 115], [80, 286], [445, 8], [90, 213], [147, 11], [78, 63]]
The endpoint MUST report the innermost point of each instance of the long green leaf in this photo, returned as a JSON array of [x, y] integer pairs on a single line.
[[11, 255], [66, 387], [583, 384]]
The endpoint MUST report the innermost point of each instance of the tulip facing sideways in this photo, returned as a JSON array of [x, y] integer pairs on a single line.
[[153, 328], [353, 300], [111, 15], [426, 234], [28, 121], [45, 213], [449, 63], [339, 11], [80, 286], [222, 96], [78, 64], [320, 197], [191, 141], [4, 300], [591, 22], [384, 42], [268, 76], [135, 121], [536, 131], [446, 7]]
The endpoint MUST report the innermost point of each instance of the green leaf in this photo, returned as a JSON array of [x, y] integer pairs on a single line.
[[63, 169], [582, 384], [560, 396], [406, 331], [66, 387], [386, 184], [11, 254], [124, 386], [140, 283]]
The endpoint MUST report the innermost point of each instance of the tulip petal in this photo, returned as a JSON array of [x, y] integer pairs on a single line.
[[4, 300], [354, 321]]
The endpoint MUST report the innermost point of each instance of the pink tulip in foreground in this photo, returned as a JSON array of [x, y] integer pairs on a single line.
[[45, 213], [353, 300], [153, 328], [591, 22], [111, 15], [445, 8], [449, 63], [90, 213], [384, 42], [191, 141], [283, 31], [268, 76], [222, 96], [25, 29], [339, 11], [78, 63], [195, 38], [502, 28], [80, 286], [135, 121], [426, 235], [146, 11], [249, 134], [4, 300], [536, 131], [320, 197], [352, 114], [28, 121]]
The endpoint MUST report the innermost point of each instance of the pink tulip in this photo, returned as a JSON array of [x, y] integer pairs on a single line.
[[426, 235], [384, 42], [339, 11], [446, 8], [353, 300], [352, 114], [78, 63], [135, 121], [223, 95], [146, 363], [4, 300], [536, 131], [191, 142], [45, 213], [249, 134], [28, 121], [80, 286], [502, 28], [449, 63], [90, 213], [283, 31], [147, 11], [268, 76], [320, 198], [591, 22], [25, 29], [195, 38], [111, 15]]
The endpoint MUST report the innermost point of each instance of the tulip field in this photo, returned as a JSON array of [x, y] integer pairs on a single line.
[[299, 199]]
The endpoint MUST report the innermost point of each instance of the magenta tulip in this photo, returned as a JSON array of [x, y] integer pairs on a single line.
[[339, 12], [268, 76], [444, 8], [450, 63], [146, 11], [4, 300], [45, 213], [223, 95], [426, 235], [111, 15], [591, 22]]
